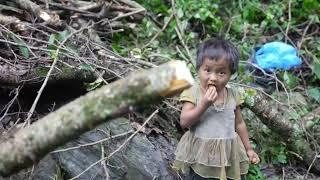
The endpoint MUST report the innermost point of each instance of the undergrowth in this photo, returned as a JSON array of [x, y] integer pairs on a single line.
[[249, 24]]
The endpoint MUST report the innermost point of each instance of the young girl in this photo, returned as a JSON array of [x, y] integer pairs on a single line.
[[217, 143]]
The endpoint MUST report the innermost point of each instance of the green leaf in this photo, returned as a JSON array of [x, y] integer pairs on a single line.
[[180, 13], [54, 54], [314, 93], [94, 85], [255, 173], [71, 49], [316, 70], [51, 40], [62, 35], [24, 51], [86, 67], [22, 47], [117, 48], [290, 80], [281, 158]]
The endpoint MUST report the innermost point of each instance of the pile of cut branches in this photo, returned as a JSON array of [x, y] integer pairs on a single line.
[[46, 41], [35, 33]]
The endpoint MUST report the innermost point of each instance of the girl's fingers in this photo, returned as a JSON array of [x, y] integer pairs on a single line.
[[255, 160], [213, 93], [214, 96], [209, 93]]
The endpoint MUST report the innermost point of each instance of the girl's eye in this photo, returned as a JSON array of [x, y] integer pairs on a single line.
[[222, 73], [207, 70]]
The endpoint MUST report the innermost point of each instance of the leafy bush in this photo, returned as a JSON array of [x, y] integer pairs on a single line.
[[249, 24]]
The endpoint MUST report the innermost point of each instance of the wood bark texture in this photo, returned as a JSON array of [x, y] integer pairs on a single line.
[[293, 133], [19, 74], [30, 144]]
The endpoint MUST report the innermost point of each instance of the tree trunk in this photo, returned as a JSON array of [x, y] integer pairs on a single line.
[[292, 133], [30, 144]]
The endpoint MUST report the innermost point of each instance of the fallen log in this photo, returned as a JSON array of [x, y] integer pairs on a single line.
[[291, 132], [14, 75], [114, 100]]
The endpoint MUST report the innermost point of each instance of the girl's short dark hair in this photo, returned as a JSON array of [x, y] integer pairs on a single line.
[[218, 48]]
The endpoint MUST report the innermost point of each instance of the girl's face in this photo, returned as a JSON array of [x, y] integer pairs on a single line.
[[214, 73]]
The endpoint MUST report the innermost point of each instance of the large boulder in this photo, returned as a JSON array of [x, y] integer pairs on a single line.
[[142, 158], [44, 170]]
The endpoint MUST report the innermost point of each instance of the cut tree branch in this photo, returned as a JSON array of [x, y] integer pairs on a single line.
[[111, 101]]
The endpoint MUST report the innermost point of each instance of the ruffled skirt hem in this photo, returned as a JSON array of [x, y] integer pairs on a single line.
[[211, 158]]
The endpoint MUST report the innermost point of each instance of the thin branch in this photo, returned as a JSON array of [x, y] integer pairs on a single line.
[[127, 14], [159, 32], [132, 4], [275, 78], [119, 148], [103, 163], [289, 21], [11, 102], [304, 34], [310, 166], [33, 107], [93, 143], [179, 30], [22, 44]]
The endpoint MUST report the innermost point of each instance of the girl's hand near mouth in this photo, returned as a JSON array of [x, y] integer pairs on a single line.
[[209, 97]]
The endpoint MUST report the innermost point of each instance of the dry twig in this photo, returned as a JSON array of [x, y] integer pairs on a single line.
[[119, 148]]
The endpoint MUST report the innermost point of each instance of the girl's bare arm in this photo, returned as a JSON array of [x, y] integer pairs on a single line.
[[191, 113], [241, 129]]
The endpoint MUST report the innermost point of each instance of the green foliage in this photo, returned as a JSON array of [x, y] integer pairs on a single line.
[[94, 85], [203, 13], [252, 12], [54, 42], [156, 6], [311, 7], [255, 173], [314, 93], [118, 49], [86, 67], [272, 151], [22, 46], [249, 96], [55, 39], [248, 24], [59, 174], [316, 70], [290, 80], [203, 10]]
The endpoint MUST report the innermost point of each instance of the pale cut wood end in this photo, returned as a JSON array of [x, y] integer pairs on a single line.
[[182, 78], [45, 16]]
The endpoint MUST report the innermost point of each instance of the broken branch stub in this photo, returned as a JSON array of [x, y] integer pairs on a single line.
[[139, 89]]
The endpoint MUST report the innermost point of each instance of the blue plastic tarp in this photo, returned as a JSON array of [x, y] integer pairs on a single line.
[[276, 55]]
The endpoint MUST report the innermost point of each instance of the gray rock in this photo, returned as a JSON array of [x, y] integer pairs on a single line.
[[44, 170], [140, 159]]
